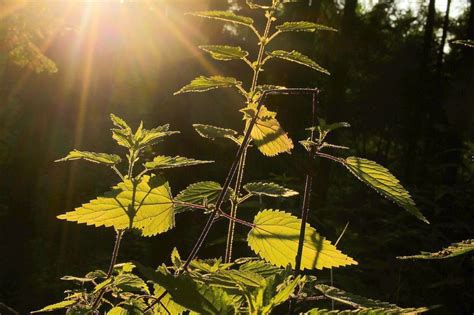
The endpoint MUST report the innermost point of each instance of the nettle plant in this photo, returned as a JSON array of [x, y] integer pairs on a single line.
[[285, 244]]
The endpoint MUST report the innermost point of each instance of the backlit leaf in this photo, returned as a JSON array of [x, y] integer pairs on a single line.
[[213, 132], [168, 302], [267, 133], [197, 193], [56, 306], [353, 300], [163, 162], [368, 311], [153, 136], [303, 26], [226, 16], [225, 53], [151, 211], [275, 238], [260, 267], [100, 158], [203, 84], [128, 282], [190, 294], [297, 57], [269, 189], [452, 250], [380, 179]]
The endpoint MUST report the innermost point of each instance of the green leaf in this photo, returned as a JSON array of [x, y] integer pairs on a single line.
[[225, 53], [267, 133], [128, 282], [260, 267], [203, 84], [198, 193], [303, 26], [452, 250], [283, 294], [297, 57], [275, 239], [324, 126], [380, 179], [465, 42], [213, 132], [353, 300], [367, 311], [164, 162], [119, 122], [269, 189], [100, 158], [226, 16], [144, 137], [56, 306], [132, 307], [172, 307], [151, 211], [190, 294]]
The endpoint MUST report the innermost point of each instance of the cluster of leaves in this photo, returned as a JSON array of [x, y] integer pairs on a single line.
[[144, 202]]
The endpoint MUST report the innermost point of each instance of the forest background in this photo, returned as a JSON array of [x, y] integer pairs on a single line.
[[396, 76]]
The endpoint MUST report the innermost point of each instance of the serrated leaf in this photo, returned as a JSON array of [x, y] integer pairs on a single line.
[[367, 311], [324, 126], [153, 136], [382, 181], [164, 162], [151, 211], [225, 53], [100, 158], [269, 189], [303, 26], [131, 307], [297, 57], [168, 302], [190, 294], [260, 267], [353, 300], [284, 292], [452, 250], [119, 122], [203, 84], [128, 282], [267, 133], [56, 306], [226, 16], [275, 239], [213, 132], [197, 193]]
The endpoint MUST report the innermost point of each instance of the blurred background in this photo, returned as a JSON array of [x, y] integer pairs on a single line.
[[396, 76]]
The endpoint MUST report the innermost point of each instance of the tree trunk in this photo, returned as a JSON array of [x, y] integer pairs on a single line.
[[336, 94], [439, 63]]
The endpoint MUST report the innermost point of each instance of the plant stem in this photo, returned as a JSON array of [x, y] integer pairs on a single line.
[[233, 210], [113, 261], [305, 206], [240, 171]]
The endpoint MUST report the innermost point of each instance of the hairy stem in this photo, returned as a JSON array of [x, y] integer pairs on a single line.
[[113, 261], [240, 171]]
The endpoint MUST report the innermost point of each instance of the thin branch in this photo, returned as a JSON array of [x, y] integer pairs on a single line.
[[113, 261], [306, 203], [273, 36], [236, 220], [118, 172]]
